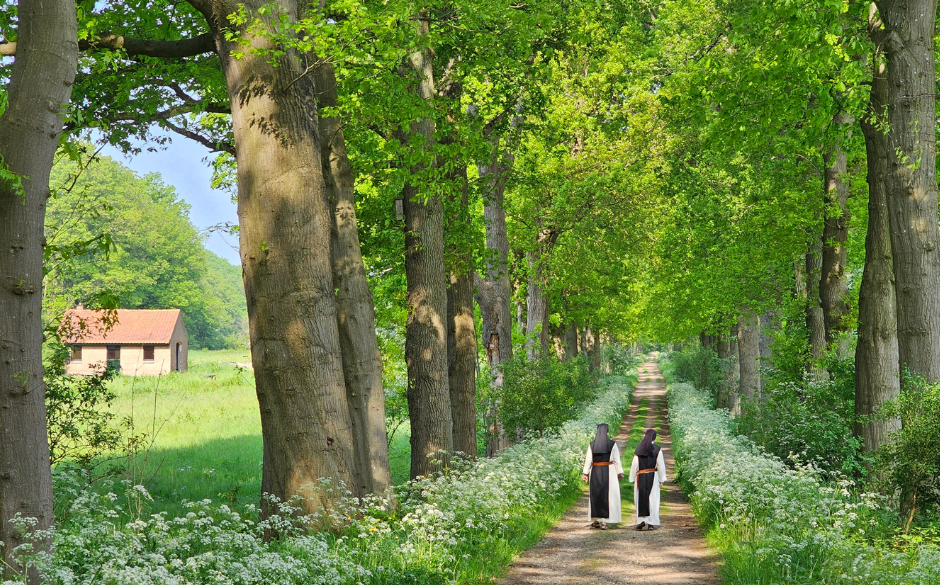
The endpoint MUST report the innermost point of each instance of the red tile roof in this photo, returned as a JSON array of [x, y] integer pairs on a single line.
[[132, 326]]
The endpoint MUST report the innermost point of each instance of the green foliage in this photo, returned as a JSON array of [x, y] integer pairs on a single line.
[[810, 419], [912, 459], [700, 367], [110, 230], [620, 359], [82, 427], [539, 395]]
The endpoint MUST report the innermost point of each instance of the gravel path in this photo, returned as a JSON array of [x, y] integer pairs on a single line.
[[571, 553]]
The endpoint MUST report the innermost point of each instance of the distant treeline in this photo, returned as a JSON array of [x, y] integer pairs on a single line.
[[113, 234]]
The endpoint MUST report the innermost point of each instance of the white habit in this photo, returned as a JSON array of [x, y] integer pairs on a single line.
[[653, 518], [615, 468]]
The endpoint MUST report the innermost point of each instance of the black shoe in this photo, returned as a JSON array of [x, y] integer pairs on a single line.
[[641, 526]]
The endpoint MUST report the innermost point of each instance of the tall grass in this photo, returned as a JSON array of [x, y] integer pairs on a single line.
[[202, 432]]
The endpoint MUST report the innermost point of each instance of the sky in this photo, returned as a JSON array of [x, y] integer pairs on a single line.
[[181, 165]]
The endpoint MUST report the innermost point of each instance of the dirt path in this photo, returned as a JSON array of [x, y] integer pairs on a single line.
[[571, 553]]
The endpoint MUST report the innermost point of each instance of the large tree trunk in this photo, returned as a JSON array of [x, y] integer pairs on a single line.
[[765, 341], [38, 89], [285, 222], [494, 290], [536, 325], [833, 286], [426, 330], [593, 348], [461, 333], [749, 354], [911, 180], [877, 377], [362, 360]]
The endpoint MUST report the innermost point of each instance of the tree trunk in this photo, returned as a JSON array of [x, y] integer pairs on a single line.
[[877, 377], [494, 290], [426, 331], [38, 89], [723, 348], [749, 354], [285, 221], [911, 180], [768, 322], [815, 322], [833, 286], [593, 348], [570, 341], [536, 327], [461, 333], [362, 360], [734, 385]]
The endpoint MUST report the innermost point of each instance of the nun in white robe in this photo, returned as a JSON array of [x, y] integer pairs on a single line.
[[602, 471], [647, 474]]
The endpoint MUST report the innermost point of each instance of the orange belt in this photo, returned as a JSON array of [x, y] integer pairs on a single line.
[[601, 463], [642, 471]]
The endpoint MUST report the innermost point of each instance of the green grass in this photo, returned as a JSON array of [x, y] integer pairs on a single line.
[[203, 432]]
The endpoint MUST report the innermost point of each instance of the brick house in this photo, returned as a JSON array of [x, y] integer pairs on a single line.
[[146, 342]]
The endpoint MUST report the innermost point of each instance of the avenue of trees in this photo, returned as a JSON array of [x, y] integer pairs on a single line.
[[579, 174]]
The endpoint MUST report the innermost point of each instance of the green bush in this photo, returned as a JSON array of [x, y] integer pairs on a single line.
[[812, 419], [912, 458], [540, 395], [620, 359], [700, 367]]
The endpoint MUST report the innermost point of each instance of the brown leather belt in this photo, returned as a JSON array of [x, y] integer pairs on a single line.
[[642, 471], [601, 463]]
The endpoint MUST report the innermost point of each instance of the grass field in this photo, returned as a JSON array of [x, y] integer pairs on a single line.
[[203, 432]]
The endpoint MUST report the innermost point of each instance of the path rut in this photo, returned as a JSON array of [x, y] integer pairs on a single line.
[[572, 553]]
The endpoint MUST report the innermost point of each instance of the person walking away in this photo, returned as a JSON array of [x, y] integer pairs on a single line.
[[648, 474], [602, 471]]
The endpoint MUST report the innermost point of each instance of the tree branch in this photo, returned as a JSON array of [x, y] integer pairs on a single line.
[[204, 43], [213, 145]]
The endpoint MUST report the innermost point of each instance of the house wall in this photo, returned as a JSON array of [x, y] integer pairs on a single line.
[[179, 336], [133, 364], [92, 356], [95, 357]]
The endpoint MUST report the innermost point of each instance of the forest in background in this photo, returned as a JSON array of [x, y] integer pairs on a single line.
[[112, 234]]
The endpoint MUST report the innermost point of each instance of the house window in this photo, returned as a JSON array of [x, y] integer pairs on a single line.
[[76, 354], [148, 354], [114, 352]]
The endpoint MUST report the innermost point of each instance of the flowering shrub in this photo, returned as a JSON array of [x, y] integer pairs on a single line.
[[444, 529], [780, 524]]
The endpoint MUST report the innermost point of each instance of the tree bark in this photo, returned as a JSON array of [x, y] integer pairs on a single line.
[[570, 341], [536, 326], [39, 87], [723, 348], [593, 348], [426, 329], [877, 378], [815, 322], [911, 180], [362, 360], [749, 354], [833, 286], [768, 322], [285, 219], [734, 385], [461, 332]]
